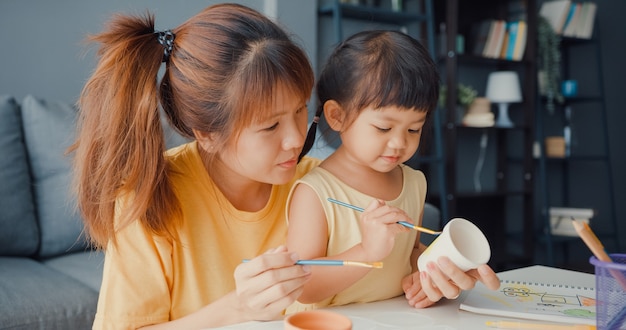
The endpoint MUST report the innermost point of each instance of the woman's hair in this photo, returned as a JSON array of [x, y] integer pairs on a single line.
[[222, 68], [377, 68]]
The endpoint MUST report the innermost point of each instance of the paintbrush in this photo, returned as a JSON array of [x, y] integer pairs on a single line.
[[404, 223], [326, 262]]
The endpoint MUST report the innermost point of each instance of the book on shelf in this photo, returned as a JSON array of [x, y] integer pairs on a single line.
[[555, 12], [480, 33], [580, 20], [490, 38], [501, 33], [520, 41], [505, 45], [535, 294], [495, 39], [589, 20], [570, 16], [509, 45], [572, 22], [515, 44], [499, 39]]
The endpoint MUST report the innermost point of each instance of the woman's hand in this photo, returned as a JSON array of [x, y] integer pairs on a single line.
[[269, 283], [379, 228], [446, 280]]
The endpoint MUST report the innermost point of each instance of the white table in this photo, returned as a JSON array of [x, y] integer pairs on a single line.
[[396, 314]]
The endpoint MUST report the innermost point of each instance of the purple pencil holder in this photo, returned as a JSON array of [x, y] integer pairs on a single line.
[[610, 292]]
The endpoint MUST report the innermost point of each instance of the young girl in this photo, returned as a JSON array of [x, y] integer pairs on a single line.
[[177, 225], [378, 90]]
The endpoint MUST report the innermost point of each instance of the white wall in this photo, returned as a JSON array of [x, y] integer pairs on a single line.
[[42, 50]]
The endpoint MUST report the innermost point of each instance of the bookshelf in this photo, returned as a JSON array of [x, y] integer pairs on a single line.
[[581, 175], [490, 170]]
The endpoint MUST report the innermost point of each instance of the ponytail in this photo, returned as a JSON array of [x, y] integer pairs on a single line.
[[310, 135], [120, 141]]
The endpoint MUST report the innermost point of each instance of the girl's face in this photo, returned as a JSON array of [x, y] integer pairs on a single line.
[[268, 151], [383, 138]]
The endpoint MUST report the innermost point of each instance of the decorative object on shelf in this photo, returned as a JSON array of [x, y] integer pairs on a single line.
[[561, 219], [479, 114], [555, 146], [503, 88], [549, 53], [396, 5], [569, 88]]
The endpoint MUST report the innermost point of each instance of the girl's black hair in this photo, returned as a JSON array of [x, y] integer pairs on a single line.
[[377, 68]]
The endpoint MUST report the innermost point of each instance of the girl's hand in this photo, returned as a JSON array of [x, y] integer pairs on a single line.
[[269, 283], [415, 296], [444, 279], [379, 228]]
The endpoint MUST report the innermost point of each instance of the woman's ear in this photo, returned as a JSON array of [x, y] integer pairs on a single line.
[[206, 141], [334, 114]]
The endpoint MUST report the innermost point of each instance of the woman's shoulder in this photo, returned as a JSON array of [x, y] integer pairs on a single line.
[[180, 157], [179, 150]]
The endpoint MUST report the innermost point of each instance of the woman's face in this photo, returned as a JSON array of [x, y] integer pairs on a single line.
[[268, 151]]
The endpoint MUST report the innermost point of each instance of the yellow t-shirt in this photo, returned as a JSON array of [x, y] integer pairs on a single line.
[[148, 279], [344, 232]]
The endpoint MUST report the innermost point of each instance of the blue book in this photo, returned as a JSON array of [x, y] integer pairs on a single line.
[[570, 15], [510, 51]]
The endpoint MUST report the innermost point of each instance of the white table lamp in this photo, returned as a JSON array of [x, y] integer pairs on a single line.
[[503, 88]]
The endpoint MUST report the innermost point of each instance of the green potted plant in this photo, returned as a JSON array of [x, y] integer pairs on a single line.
[[549, 64], [465, 95]]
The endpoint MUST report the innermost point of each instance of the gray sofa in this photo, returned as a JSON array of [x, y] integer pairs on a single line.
[[49, 279]]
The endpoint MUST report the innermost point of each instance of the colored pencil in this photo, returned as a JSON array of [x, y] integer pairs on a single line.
[[526, 325], [596, 247]]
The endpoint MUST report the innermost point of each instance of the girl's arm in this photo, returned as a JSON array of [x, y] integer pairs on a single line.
[[308, 236]]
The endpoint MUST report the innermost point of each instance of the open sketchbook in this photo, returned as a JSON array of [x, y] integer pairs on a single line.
[[551, 298]]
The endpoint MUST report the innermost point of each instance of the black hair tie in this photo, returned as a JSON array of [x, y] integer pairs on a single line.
[[166, 39]]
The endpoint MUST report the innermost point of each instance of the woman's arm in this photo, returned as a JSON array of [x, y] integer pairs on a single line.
[[265, 287]]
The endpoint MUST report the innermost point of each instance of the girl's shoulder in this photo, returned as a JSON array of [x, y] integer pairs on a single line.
[[413, 175], [306, 164]]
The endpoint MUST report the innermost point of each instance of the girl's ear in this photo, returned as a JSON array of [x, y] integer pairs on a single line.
[[205, 140], [334, 114]]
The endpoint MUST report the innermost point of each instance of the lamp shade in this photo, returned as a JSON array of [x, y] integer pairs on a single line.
[[504, 87]]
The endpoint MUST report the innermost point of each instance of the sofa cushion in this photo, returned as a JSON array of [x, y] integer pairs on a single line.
[[85, 267], [19, 235], [34, 296], [48, 131]]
